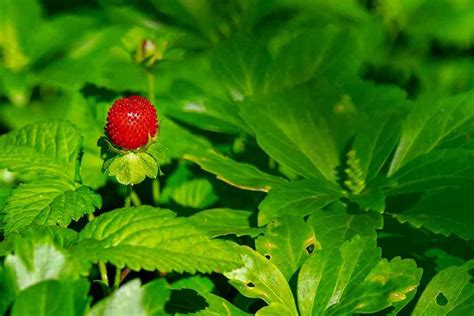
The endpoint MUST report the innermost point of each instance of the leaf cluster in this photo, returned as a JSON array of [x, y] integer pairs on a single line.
[[314, 158]]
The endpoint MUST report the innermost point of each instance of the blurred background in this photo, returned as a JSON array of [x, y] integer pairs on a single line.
[[71, 59], [52, 50]]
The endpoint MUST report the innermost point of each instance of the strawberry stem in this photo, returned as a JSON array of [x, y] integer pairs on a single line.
[[128, 198], [155, 190], [131, 197], [135, 198], [151, 86]]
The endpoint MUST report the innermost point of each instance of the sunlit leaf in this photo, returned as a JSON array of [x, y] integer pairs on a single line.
[[298, 198], [241, 175], [260, 278], [450, 292], [153, 239], [287, 243]]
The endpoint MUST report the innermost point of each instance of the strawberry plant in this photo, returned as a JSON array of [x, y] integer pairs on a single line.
[[236, 157]]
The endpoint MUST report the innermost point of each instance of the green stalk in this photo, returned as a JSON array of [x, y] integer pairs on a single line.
[[128, 198], [151, 85], [103, 272], [117, 278], [155, 187], [135, 198]]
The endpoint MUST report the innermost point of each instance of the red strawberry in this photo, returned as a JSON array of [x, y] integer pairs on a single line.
[[131, 122]]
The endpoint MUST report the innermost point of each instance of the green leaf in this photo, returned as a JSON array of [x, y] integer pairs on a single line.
[[260, 278], [450, 292], [75, 204], [58, 34], [240, 175], [29, 163], [153, 239], [328, 50], [193, 106], [219, 306], [133, 168], [58, 140], [375, 142], [196, 193], [435, 170], [39, 256], [197, 282], [155, 296], [447, 22], [47, 150], [52, 298], [290, 128], [460, 79], [134, 299], [297, 198], [71, 106], [48, 202], [47, 263], [442, 259], [224, 221], [174, 180], [390, 283], [444, 212], [353, 105], [216, 305], [314, 53], [16, 19], [4, 194], [175, 141], [100, 53], [286, 243], [328, 273], [54, 144], [336, 225], [430, 124], [199, 16], [354, 279], [127, 300], [371, 198], [27, 51], [7, 288], [25, 240], [241, 64]]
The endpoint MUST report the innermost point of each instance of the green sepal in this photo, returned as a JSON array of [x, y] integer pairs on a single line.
[[147, 48], [128, 167]]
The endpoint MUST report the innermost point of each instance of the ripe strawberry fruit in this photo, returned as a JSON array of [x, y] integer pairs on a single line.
[[131, 122]]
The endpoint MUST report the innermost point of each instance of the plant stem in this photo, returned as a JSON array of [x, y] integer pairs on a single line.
[[124, 274], [135, 198], [151, 86], [155, 190], [128, 199], [103, 272], [117, 278]]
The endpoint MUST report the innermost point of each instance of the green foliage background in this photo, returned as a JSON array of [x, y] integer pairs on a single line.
[[314, 158]]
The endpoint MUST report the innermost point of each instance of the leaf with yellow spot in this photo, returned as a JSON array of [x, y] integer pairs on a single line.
[[354, 279]]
